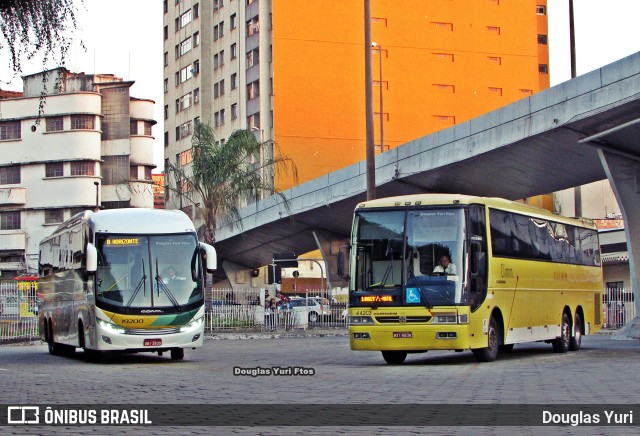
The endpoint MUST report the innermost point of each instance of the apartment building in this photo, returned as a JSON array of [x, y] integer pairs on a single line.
[[88, 144], [293, 71]]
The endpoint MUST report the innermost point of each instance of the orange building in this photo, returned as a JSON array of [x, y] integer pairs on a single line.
[[437, 63]]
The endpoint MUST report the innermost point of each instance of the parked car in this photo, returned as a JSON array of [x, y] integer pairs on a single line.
[[314, 307]]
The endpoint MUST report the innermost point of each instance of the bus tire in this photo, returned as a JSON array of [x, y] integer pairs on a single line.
[[177, 353], [576, 339], [394, 357], [55, 349], [561, 344], [490, 352]]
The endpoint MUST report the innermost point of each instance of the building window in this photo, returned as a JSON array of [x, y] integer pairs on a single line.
[[543, 68], [196, 96], [196, 10], [196, 121], [166, 139], [216, 90], [526, 91], [234, 50], [221, 25], [115, 170], [222, 116], [253, 121], [184, 47], [541, 10], [252, 58], [10, 175], [234, 111], [53, 216], [253, 90], [445, 57], [233, 22], [133, 172], [183, 102], [133, 127], [234, 81], [166, 32], [10, 220], [253, 26], [10, 130], [83, 168], [494, 29], [183, 130], [221, 57], [82, 122], [495, 91], [216, 62], [185, 157], [166, 58], [54, 169], [165, 6], [147, 128], [222, 87], [216, 32], [54, 124], [147, 173], [542, 39], [166, 111], [443, 26], [495, 60], [196, 39], [185, 19], [166, 85]]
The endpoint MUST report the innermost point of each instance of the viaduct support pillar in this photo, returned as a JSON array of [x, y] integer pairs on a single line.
[[623, 173]]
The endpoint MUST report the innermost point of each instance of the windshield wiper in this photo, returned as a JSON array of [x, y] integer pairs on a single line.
[[160, 284], [142, 283]]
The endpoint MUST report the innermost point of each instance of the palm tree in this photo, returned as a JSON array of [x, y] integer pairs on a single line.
[[224, 176]]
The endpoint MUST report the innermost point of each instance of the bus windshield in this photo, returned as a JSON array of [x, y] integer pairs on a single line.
[[160, 271], [412, 257]]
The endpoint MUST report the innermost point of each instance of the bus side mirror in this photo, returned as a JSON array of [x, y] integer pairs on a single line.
[[211, 258], [341, 262], [92, 258], [478, 260]]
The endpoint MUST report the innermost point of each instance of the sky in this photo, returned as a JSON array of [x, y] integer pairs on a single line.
[[124, 37]]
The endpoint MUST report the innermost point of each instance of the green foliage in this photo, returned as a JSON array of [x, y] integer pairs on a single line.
[[224, 176], [30, 27]]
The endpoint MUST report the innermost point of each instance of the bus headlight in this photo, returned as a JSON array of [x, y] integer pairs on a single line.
[[110, 327], [360, 320], [192, 326]]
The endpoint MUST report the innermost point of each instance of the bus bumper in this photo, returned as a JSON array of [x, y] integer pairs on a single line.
[[148, 341], [409, 337]]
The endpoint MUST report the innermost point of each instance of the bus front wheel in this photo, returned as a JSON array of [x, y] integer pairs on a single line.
[[177, 354], [561, 344], [490, 352], [394, 357]]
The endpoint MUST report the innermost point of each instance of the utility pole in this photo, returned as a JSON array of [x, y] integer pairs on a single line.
[[368, 82]]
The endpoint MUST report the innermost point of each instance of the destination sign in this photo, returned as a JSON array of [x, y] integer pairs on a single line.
[[377, 298], [123, 241]]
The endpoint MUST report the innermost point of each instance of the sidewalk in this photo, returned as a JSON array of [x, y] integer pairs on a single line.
[[294, 333]]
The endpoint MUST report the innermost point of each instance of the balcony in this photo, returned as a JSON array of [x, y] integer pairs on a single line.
[[11, 196]]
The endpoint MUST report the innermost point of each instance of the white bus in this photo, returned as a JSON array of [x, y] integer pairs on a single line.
[[105, 285]]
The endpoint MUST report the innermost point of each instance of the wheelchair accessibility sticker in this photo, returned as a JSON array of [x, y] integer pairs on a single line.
[[412, 295]]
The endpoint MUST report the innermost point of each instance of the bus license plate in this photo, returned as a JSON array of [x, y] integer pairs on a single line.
[[402, 335], [152, 342]]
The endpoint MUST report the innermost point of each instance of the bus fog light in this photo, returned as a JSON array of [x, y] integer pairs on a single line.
[[195, 338], [354, 320], [106, 339], [361, 336], [446, 335]]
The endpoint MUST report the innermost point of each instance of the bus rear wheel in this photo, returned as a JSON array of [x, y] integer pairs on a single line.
[[561, 344], [576, 339], [490, 352], [177, 354], [394, 357], [55, 349]]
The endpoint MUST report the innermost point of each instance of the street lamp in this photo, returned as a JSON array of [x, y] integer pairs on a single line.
[[379, 49], [97, 195]]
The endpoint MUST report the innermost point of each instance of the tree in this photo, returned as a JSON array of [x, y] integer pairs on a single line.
[[30, 27], [223, 176]]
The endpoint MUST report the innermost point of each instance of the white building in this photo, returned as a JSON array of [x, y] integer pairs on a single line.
[[91, 144]]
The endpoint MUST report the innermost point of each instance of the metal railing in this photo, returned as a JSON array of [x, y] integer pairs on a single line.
[[618, 306], [18, 311]]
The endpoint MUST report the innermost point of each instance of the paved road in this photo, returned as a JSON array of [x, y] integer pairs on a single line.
[[604, 371]]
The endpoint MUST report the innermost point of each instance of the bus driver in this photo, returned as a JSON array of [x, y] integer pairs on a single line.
[[446, 267]]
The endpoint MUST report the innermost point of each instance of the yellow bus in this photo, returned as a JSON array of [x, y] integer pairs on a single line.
[[455, 272]]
